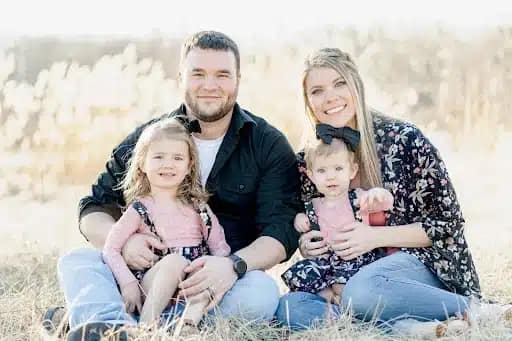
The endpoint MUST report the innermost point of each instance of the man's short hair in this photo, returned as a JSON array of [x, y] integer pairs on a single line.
[[211, 40]]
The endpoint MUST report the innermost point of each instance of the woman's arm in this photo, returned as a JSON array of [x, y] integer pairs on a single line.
[[412, 235], [358, 238], [432, 201]]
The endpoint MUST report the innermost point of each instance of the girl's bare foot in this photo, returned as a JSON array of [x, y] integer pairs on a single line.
[[133, 330], [188, 328], [332, 294]]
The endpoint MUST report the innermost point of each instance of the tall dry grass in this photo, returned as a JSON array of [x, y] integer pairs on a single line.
[[58, 131]]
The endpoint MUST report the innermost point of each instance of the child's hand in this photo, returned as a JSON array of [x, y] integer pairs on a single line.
[[375, 200], [132, 297], [301, 223]]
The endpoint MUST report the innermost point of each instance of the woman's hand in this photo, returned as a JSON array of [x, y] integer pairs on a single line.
[[354, 240], [312, 249]]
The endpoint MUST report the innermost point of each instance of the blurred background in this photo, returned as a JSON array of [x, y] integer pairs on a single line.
[[76, 77]]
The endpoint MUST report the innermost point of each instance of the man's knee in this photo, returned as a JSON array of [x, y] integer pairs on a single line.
[[253, 297], [86, 262], [79, 257]]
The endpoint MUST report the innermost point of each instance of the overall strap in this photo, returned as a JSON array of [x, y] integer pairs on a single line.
[[311, 214], [205, 218], [143, 212], [354, 203]]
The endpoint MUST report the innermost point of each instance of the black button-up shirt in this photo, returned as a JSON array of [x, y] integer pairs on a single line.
[[254, 182]]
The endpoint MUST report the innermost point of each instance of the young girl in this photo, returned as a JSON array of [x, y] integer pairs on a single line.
[[164, 197], [331, 167]]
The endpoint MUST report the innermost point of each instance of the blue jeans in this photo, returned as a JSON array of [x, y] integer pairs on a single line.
[[92, 295], [395, 287]]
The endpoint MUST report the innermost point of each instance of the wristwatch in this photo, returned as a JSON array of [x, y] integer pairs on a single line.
[[239, 265]]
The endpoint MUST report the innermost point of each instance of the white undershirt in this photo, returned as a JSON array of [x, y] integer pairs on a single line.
[[207, 150]]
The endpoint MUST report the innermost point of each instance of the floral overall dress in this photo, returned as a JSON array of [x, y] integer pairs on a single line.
[[313, 275], [189, 252]]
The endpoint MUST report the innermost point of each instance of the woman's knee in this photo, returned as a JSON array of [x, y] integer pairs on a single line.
[[365, 294]]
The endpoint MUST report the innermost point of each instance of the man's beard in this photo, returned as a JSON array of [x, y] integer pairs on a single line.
[[210, 116]]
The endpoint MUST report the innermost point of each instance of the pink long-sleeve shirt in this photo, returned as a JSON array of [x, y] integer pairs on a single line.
[[332, 217], [176, 226]]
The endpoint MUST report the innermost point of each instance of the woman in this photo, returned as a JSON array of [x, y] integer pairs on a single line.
[[431, 275]]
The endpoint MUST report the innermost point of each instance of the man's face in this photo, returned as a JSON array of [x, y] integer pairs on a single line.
[[210, 81]]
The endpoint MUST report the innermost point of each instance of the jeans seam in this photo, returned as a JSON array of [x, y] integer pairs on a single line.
[[417, 267]]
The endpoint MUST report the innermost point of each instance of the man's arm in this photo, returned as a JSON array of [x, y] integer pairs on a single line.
[[277, 204], [95, 227], [263, 253]]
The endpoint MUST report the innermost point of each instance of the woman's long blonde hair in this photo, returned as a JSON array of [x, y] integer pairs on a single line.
[[366, 153], [135, 183]]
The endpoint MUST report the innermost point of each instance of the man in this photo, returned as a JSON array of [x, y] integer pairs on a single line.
[[249, 168]]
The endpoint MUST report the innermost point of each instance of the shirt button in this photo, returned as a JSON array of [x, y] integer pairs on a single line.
[[241, 186]]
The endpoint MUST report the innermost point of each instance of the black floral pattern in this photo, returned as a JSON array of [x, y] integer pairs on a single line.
[[413, 171]]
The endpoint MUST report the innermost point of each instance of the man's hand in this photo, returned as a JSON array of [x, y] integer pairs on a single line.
[[211, 276], [137, 251]]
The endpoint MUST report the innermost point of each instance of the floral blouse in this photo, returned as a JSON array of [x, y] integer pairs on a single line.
[[414, 172]]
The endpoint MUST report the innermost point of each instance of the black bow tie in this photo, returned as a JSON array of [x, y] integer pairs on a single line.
[[350, 136], [193, 127]]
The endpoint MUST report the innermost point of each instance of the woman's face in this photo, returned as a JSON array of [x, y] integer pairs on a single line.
[[329, 98]]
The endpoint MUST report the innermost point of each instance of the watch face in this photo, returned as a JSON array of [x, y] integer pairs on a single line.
[[241, 267]]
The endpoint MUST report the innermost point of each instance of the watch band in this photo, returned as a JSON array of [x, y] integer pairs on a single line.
[[239, 265]]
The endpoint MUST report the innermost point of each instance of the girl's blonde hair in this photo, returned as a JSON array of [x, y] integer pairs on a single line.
[[135, 183], [315, 148], [343, 64]]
